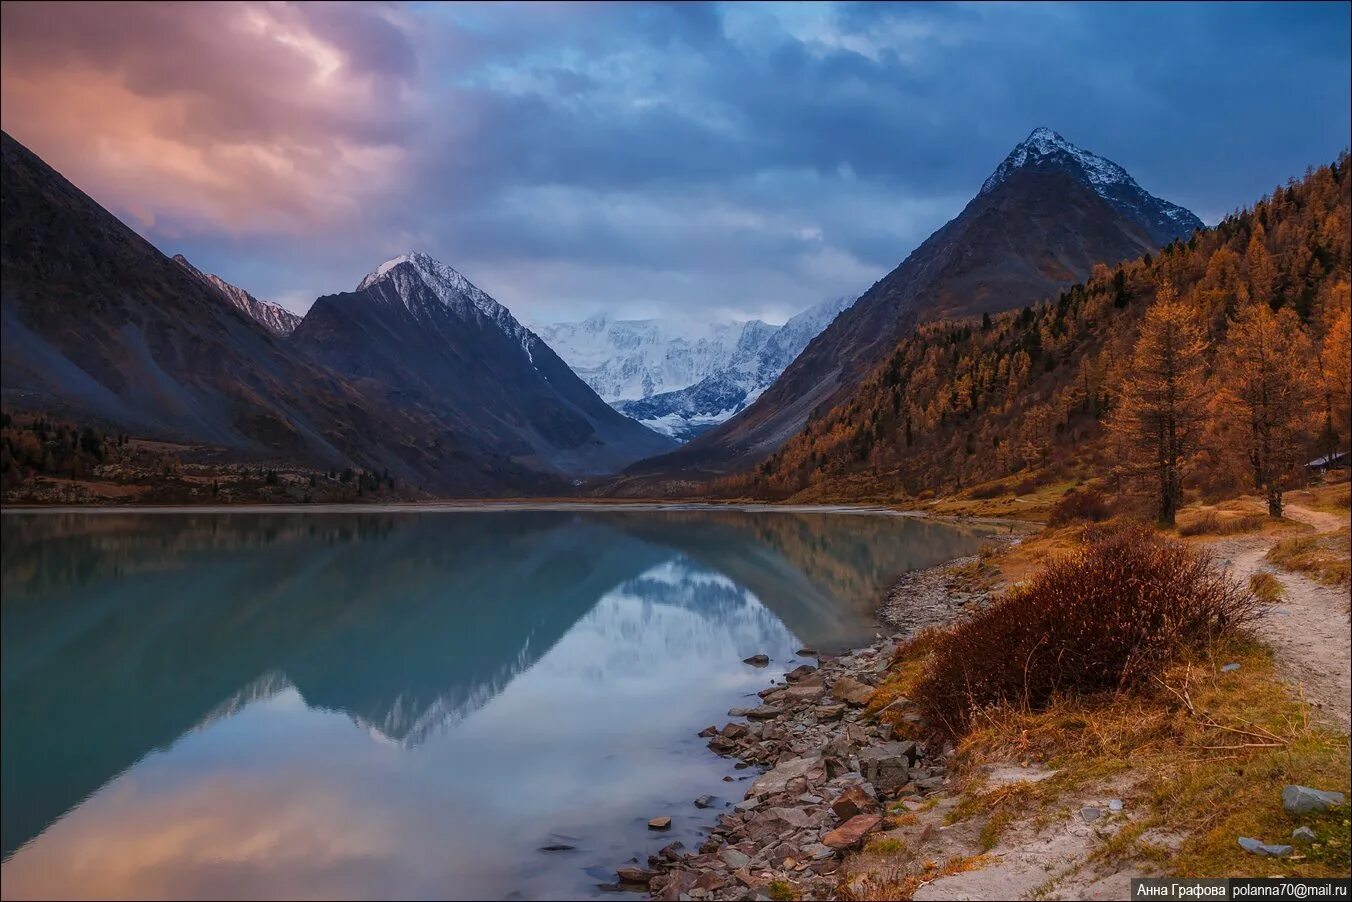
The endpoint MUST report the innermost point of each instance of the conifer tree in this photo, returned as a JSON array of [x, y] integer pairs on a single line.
[[1162, 410], [1266, 386]]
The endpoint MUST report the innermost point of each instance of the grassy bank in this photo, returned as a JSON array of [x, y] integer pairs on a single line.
[[1197, 746]]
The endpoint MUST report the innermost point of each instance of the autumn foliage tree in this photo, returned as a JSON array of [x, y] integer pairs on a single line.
[[1011, 401], [1335, 369], [1268, 393], [1163, 403]]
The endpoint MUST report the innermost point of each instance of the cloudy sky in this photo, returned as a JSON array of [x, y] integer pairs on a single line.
[[636, 159]]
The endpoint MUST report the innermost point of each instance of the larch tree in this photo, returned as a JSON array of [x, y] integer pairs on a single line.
[[1266, 384], [1161, 411], [1335, 369]]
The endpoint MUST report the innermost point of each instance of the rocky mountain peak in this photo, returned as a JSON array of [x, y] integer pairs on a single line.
[[1045, 150]]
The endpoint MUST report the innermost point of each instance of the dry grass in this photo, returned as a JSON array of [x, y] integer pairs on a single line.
[[1106, 617], [1266, 588], [1324, 558], [900, 880], [1208, 753], [1216, 522]]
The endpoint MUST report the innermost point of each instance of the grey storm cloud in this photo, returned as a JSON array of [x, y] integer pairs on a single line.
[[740, 158]]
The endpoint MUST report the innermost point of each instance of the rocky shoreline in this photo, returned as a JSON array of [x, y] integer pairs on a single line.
[[834, 772]]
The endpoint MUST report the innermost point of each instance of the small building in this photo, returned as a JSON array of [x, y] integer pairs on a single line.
[[1328, 462]]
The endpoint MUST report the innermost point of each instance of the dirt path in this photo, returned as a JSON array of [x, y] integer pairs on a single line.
[[1308, 628]]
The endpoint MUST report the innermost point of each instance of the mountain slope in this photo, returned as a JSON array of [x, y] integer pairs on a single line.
[[959, 404], [762, 353], [274, 317], [100, 325], [419, 335], [1038, 225]]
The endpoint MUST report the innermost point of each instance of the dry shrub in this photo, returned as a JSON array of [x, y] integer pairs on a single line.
[[1211, 523], [1104, 618], [1266, 588], [1080, 504], [1206, 523], [989, 490]]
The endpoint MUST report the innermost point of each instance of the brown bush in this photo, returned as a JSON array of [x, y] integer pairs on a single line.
[[1080, 504], [989, 490], [1104, 618]]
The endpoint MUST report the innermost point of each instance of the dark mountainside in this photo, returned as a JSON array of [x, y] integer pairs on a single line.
[[417, 334], [100, 326], [1041, 222], [1024, 396], [277, 319]]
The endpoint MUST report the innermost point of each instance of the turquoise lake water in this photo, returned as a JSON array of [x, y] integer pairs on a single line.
[[398, 704]]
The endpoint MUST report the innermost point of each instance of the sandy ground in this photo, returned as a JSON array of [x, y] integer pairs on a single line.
[[1308, 629]]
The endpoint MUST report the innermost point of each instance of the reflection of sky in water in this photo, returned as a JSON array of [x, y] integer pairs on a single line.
[[292, 788]]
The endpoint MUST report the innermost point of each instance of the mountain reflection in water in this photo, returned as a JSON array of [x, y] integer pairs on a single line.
[[175, 685]]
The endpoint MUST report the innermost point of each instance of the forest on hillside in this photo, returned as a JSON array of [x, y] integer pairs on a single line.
[[1244, 327]]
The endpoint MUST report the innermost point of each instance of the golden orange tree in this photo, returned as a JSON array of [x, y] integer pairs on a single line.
[[1161, 410], [1335, 368], [1266, 389]]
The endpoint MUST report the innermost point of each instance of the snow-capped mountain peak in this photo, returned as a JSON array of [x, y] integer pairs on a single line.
[[1045, 150], [681, 377], [450, 288]]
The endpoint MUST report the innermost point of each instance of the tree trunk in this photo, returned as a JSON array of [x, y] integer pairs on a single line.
[[1275, 502]]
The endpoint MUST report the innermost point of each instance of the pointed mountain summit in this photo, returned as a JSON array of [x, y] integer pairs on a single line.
[[274, 317], [1046, 151], [420, 335], [1042, 220], [100, 326]]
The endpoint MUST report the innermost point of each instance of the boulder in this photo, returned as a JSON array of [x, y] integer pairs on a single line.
[[659, 823], [708, 732], [777, 780], [704, 802], [734, 731], [888, 766], [1303, 835], [1303, 799], [805, 692], [765, 712], [852, 692], [632, 873], [757, 660], [802, 671], [794, 817], [852, 832], [734, 859], [853, 802], [1258, 847]]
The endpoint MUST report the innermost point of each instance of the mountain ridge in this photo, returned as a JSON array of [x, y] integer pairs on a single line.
[[1034, 231]]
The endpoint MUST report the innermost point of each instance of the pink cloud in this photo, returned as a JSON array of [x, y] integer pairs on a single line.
[[233, 116]]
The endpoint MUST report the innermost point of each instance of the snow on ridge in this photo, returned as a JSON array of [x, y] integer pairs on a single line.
[[1042, 144], [453, 290]]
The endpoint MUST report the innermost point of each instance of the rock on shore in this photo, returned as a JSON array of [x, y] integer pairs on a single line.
[[831, 772]]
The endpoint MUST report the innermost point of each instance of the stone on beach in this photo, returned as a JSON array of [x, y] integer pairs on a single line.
[[659, 823], [852, 802], [777, 780], [757, 660], [852, 692], [634, 874], [888, 766], [852, 832]]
